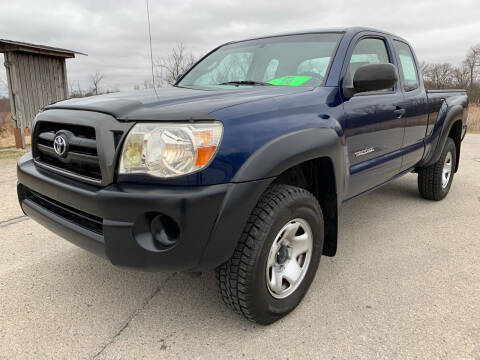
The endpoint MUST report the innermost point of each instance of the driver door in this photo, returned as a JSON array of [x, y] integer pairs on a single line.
[[374, 121]]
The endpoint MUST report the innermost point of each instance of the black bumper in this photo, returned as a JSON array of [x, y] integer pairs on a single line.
[[202, 224]]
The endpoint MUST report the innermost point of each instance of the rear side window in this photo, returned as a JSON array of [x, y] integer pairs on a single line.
[[407, 66], [367, 51]]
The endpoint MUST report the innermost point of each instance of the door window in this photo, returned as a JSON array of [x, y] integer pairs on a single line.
[[367, 51], [407, 66]]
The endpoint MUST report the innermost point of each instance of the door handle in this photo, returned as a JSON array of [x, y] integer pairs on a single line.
[[399, 111]]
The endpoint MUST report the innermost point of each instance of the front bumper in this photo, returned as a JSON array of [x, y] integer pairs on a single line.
[[204, 223]]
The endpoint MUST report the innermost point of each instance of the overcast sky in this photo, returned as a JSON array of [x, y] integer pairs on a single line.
[[114, 32]]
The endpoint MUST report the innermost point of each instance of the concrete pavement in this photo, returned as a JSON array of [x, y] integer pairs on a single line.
[[404, 284]]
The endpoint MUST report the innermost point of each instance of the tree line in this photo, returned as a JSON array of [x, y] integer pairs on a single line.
[[448, 76], [95, 81]]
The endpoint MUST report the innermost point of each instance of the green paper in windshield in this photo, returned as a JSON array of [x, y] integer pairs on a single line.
[[290, 80]]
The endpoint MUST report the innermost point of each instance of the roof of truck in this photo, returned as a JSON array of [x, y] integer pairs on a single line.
[[351, 29]]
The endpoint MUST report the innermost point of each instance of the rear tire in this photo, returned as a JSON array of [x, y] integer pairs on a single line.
[[272, 268], [434, 181]]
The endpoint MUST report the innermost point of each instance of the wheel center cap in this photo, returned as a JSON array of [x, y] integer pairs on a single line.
[[282, 255]]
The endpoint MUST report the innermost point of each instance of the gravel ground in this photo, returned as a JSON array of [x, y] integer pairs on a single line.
[[404, 284]]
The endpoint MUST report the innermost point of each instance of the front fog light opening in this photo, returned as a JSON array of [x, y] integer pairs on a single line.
[[156, 232], [164, 230]]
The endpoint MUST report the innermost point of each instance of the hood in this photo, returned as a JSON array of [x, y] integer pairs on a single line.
[[174, 103]]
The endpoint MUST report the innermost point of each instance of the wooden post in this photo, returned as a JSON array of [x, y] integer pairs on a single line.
[[65, 79], [19, 134], [18, 131]]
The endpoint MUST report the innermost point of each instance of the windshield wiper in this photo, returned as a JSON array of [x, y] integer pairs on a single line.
[[245, 82]]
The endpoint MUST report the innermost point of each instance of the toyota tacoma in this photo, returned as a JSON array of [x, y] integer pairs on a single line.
[[244, 164]]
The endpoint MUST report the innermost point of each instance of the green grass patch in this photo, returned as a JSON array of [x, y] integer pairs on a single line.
[[12, 153]]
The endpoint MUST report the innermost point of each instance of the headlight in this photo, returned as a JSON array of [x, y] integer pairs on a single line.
[[167, 150]]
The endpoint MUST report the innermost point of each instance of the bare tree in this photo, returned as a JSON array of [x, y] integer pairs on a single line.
[[438, 76], [71, 88], [472, 62], [424, 67], [465, 76], [146, 84], [79, 89], [170, 67], [75, 89], [461, 76], [3, 83], [95, 81]]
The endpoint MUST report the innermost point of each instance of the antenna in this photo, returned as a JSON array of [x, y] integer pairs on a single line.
[[151, 52]]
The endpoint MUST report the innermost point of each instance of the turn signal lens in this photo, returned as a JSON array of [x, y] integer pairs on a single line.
[[205, 154]]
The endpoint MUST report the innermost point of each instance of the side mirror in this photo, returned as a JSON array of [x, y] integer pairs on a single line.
[[374, 77]]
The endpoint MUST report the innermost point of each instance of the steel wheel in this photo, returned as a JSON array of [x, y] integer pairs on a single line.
[[435, 180], [447, 170], [282, 240], [289, 258]]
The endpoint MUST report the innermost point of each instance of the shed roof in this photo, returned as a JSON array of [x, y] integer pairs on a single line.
[[9, 45]]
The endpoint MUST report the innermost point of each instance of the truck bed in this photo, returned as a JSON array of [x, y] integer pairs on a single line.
[[435, 102]]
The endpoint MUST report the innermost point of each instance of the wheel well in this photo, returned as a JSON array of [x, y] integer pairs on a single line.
[[456, 134], [317, 176]]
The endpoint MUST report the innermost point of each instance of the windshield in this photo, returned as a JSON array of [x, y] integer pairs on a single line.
[[293, 60]]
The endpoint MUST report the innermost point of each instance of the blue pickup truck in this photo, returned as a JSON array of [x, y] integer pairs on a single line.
[[244, 164]]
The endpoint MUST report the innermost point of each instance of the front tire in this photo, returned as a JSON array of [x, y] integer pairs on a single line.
[[434, 181], [277, 255]]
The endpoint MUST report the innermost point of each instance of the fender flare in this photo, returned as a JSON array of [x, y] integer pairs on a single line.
[[277, 156], [453, 114], [257, 173]]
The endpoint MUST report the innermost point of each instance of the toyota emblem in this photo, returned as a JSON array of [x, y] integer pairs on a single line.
[[60, 145]]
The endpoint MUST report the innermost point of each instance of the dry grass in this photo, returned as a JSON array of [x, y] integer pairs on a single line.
[[474, 118], [6, 131], [12, 153]]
